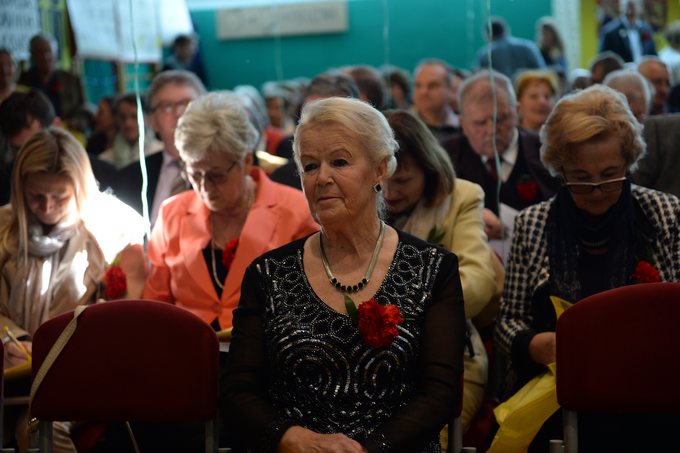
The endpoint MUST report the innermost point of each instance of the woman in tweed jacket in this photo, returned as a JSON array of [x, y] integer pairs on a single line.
[[591, 236]]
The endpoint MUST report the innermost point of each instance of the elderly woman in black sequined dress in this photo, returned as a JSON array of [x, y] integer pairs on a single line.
[[377, 371]]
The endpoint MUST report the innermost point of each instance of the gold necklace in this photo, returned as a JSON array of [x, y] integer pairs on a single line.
[[251, 200]]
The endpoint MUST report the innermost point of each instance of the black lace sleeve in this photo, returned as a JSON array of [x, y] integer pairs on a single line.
[[243, 404], [441, 369]]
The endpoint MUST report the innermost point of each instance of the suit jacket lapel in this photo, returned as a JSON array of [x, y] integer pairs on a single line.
[[193, 237]]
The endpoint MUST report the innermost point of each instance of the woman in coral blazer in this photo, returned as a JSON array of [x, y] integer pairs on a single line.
[[204, 239]]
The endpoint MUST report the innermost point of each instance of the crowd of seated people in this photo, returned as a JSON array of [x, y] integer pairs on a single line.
[[386, 170]]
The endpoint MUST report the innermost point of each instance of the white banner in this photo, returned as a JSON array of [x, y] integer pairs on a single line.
[[19, 22]]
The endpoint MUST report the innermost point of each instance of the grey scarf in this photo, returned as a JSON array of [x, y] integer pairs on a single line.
[[34, 284]]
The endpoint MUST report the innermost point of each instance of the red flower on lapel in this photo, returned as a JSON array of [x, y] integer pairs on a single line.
[[229, 252], [526, 188], [56, 87], [644, 35]]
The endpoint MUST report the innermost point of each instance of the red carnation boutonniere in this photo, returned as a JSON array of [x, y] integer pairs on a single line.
[[377, 322], [56, 87], [229, 252], [526, 188], [115, 282], [645, 272], [644, 35]]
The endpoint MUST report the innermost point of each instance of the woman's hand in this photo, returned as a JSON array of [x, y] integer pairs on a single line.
[[133, 263], [297, 439], [542, 348], [492, 225], [15, 356]]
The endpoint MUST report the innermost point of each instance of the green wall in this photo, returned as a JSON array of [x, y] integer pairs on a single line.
[[447, 29]]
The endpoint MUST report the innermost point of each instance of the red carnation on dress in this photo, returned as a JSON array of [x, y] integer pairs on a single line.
[[526, 188], [229, 252], [115, 282], [378, 323], [645, 273]]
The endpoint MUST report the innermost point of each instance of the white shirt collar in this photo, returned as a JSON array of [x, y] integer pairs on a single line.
[[508, 156]]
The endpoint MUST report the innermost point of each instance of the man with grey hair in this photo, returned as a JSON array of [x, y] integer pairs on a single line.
[[524, 179], [635, 88], [433, 81], [656, 71], [627, 35], [169, 94]]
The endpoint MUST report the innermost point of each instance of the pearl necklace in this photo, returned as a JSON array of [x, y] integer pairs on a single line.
[[251, 199], [367, 278]]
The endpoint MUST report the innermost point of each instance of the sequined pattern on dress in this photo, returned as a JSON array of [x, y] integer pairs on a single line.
[[324, 377]]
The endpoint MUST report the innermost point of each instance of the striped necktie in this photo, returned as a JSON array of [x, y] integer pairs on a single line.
[[179, 185]]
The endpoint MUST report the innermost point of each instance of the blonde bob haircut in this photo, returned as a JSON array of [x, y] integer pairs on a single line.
[[526, 78], [50, 151], [595, 113], [216, 122], [357, 118], [417, 141]]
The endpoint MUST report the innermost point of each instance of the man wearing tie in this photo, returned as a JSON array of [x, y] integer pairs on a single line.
[[169, 94], [524, 180], [628, 36]]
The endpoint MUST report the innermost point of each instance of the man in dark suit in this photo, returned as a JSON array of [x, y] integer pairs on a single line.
[[169, 94], [658, 169], [524, 180], [62, 88], [627, 35]]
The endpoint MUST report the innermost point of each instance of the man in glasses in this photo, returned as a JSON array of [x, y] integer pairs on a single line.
[[169, 94]]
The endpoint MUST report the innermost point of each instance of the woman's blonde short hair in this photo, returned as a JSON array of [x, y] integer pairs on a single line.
[[217, 122], [359, 119], [526, 78], [52, 151], [591, 114], [417, 141]]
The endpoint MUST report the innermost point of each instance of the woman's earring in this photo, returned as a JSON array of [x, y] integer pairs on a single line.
[[377, 187]]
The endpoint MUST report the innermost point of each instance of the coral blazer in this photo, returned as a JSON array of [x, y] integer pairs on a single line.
[[179, 273]]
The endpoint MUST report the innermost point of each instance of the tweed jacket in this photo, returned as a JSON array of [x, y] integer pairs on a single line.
[[528, 266], [658, 168]]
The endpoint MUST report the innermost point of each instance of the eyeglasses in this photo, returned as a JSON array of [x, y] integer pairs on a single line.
[[169, 107], [215, 177], [584, 188]]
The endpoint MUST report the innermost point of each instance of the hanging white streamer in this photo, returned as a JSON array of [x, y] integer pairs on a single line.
[[142, 129], [497, 160]]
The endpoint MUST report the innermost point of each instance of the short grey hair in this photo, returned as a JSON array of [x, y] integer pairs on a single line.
[[437, 62], [365, 122], [177, 76], [484, 75], [626, 78], [216, 122], [333, 83]]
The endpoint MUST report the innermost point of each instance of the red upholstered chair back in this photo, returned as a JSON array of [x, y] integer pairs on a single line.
[[132, 360], [619, 351]]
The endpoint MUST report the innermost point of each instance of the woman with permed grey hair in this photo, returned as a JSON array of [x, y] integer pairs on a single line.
[[205, 238], [351, 339], [598, 233]]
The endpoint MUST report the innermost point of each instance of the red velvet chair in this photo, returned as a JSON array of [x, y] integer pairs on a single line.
[[597, 341], [132, 360]]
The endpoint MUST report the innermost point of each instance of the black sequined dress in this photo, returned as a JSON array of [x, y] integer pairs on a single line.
[[296, 361]]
